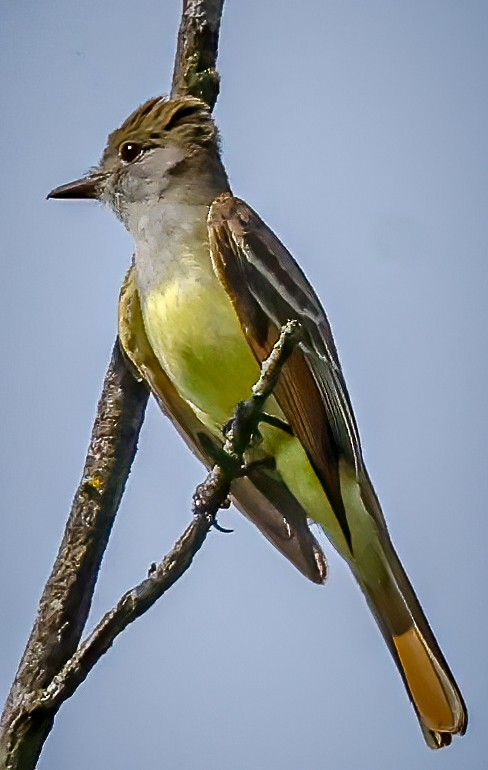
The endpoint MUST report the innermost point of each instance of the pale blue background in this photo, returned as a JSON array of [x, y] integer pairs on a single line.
[[358, 131]]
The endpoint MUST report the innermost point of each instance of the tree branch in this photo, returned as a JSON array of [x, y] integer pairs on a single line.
[[209, 497], [66, 599], [196, 53], [67, 596]]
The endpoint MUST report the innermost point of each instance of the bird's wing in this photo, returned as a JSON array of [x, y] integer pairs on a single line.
[[267, 288], [261, 496]]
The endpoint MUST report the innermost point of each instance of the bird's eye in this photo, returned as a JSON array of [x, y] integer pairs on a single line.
[[129, 151]]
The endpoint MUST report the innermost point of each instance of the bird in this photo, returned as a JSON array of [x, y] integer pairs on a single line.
[[209, 290]]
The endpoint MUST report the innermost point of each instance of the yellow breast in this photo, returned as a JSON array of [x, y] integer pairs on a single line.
[[196, 336]]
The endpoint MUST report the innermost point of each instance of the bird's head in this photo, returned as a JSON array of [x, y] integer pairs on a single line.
[[159, 143]]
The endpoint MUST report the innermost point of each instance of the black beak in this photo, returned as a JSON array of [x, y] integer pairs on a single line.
[[87, 187]]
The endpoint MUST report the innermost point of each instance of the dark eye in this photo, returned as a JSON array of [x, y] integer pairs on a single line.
[[129, 151]]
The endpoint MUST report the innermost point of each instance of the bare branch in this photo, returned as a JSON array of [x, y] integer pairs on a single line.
[[209, 497], [66, 599], [132, 604], [196, 54], [67, 596]]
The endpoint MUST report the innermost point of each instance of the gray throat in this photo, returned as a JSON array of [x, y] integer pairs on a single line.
[[170, 232]]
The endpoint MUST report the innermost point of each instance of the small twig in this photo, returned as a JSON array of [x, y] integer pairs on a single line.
[[209, 497], [131, 605], [240, 430], [291, 334]]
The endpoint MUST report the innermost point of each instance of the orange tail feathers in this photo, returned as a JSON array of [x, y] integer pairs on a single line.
[[432, 689], [430, 684]]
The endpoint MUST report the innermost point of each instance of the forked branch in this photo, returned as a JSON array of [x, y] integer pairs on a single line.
[[67, 595], [209, 497]]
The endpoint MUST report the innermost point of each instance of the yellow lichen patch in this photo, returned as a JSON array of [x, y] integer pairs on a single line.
[[95, 482]]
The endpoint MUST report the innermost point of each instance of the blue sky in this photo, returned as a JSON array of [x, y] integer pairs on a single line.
[[358, 132]]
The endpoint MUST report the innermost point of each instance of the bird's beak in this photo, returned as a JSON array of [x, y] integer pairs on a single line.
[[89, 186]]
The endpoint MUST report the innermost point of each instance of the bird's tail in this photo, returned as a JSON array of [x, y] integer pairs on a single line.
[[430, 685]]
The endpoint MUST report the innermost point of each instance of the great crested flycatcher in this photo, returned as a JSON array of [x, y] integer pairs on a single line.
[[202, 306]]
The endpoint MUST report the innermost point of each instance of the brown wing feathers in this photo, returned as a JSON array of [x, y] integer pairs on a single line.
[[267, 289]]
